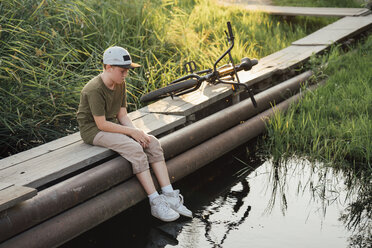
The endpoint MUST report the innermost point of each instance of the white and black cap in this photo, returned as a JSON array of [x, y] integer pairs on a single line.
[[118, 56]]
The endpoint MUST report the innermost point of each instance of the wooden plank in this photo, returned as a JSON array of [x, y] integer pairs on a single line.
[[288, 57], [139, 113], [299, 55], [15, 194], [5, 185], [337, 31], [303, 11], [44, 169], [156, 124], [192, 102], [252, 77], [38, 151]]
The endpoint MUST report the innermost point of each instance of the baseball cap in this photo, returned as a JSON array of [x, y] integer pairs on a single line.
[[118, 56]]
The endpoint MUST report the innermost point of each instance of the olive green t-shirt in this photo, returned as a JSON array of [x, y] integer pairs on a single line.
[[96, 99]]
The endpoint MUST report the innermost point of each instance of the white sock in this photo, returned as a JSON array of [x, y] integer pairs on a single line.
[[167, 189], [153, 195]]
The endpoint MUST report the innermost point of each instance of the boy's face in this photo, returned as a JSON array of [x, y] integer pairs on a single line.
[[118, 74]]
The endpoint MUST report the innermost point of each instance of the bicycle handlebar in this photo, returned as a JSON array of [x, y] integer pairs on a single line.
[[231, 36]]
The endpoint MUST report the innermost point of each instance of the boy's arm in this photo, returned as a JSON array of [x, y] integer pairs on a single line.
[[124, 118]]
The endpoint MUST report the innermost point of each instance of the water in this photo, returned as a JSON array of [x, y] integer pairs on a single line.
[[241, 201]]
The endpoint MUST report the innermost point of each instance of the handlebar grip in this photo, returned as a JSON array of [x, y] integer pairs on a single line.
[[247, 64], [254, 62], [230, 29]]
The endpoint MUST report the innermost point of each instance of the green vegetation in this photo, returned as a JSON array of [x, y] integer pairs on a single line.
[[334, 123], [50, 49]]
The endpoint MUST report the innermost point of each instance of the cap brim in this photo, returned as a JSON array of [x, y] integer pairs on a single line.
[[131, 66]]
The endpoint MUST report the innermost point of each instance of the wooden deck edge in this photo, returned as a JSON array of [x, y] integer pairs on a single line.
[[39, 150], [328, 34], [14, 195], [369, 12], [49, 177], [151, 118]]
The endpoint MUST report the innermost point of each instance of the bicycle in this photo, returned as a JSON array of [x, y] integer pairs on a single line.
[[193, 80]]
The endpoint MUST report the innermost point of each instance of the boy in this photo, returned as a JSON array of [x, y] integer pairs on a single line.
[[103, 121]]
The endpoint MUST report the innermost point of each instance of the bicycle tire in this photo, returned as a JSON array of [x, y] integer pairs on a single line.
[[171, 89]]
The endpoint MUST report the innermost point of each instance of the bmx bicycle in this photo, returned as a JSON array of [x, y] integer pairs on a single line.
[[224, 74]]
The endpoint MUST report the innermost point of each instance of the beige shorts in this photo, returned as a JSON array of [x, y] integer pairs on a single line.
[[131, 150]]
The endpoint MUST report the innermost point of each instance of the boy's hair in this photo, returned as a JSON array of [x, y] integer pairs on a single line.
[[104, 66]]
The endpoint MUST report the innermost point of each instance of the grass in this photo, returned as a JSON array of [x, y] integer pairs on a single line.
[[334, 123], [50, 49]]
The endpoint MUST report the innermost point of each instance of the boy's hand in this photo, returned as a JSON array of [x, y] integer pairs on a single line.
[[141, 137]]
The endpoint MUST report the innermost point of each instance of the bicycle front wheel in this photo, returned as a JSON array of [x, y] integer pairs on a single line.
[[171, 89]]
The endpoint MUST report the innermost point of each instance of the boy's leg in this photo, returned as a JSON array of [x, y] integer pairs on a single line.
[[161, 173], [156, 159], [173, 197], [145, 179], [133, 152]]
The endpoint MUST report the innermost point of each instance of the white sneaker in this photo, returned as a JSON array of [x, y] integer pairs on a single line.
[[175, 200], [161, 209]]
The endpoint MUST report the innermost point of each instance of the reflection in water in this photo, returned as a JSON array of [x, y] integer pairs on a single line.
[[234, 200], [292, 204], [327, 185], [164, 234], [296, 204], [358, 215]]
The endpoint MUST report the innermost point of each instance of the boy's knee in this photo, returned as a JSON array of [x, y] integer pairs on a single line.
[[154, 142]]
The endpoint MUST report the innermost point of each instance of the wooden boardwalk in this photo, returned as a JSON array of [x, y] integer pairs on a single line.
[[337, 31], [302, 11], [23, 173]]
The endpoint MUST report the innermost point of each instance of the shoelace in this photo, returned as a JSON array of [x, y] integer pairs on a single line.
[[177, 194], [180, 203], [161, 202]]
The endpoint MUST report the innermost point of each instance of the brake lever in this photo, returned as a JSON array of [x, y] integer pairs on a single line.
[[190, 67], [244, 85]]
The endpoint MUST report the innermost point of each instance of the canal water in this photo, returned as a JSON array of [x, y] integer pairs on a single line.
[[242, 200]]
